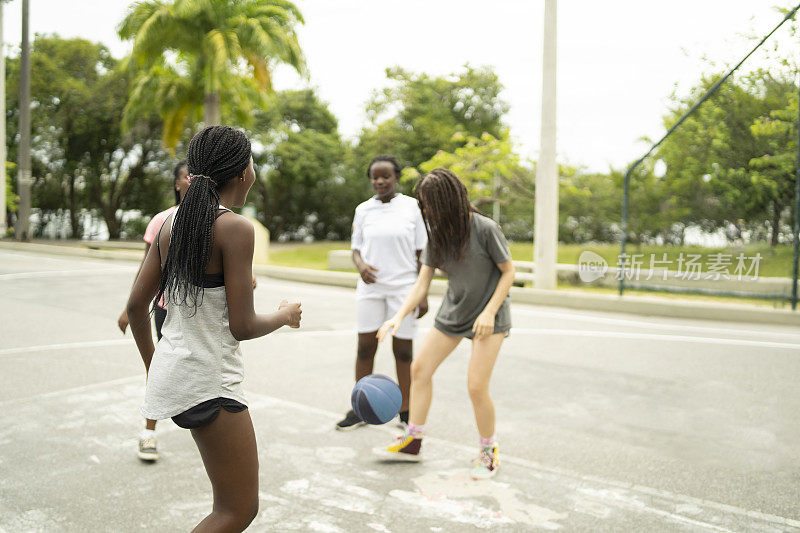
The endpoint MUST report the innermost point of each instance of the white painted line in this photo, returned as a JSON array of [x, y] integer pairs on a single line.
[[38, 257], [653, 336], [64, 273], [518, 309], [66, 346], [67, 392], [585, 333], [566, 333]]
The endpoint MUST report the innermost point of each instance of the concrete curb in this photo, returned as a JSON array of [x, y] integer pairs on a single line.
[[648, 306], [74, 251]]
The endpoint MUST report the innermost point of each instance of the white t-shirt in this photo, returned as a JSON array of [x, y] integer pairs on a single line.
[[388, 236]]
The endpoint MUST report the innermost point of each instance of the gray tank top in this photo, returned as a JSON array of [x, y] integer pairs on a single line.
[[197, 358]]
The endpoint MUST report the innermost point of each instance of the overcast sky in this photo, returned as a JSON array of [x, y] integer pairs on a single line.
[[618, 60]]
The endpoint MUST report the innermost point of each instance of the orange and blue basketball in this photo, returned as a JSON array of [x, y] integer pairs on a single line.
[[376, 399]]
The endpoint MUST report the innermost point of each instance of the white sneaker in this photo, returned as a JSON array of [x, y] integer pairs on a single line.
[[147, 449]]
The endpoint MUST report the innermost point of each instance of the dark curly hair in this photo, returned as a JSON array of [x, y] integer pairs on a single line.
[[388, 159]]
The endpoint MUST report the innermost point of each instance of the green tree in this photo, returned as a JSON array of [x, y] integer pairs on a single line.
[[82, 160], [773, 173], [721, 163], [417, 115], [64, 71], [303, 191], [487, 165], [193, 54]]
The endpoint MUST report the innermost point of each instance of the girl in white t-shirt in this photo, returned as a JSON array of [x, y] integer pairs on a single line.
[[388, 238]]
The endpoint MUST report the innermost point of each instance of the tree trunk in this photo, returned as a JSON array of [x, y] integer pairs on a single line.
[[211, 109], [776, 223], [112, 223], [74, 210]]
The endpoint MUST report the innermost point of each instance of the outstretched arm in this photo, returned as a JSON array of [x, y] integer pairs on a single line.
[[236, 237]]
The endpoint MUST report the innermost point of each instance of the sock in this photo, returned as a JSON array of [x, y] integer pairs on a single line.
[[488, 442], [404, 416], [415, 430], [147, 433]]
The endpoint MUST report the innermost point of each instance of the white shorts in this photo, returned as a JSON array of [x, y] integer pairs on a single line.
[[374, 310]]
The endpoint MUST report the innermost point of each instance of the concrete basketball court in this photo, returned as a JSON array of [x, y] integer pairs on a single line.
[[606, 422]]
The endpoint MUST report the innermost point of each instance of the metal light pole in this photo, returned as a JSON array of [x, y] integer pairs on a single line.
[[545, 243], [796, 229], [3, 223], [24, 154]]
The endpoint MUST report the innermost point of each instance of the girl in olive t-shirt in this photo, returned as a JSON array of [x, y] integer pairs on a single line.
[[473, 251]]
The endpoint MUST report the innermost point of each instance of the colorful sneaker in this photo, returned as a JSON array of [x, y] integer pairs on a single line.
[[350, 421], [487, 462], [147, 449], [404, 448]]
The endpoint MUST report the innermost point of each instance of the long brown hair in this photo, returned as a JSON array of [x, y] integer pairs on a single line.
[[444, 202]]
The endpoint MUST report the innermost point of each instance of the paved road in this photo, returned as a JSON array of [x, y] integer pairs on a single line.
[[606, 422]]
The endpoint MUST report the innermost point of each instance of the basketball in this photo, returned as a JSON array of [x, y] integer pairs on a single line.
[[376, 399]]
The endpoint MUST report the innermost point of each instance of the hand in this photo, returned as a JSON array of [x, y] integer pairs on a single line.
[[122, 322], [255, 283], [368, 273], [422, 309], [484, 324], [292, 313], [389, 327]]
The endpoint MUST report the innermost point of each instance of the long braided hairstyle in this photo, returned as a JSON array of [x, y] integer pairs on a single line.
[[445, 206], [215, 156]]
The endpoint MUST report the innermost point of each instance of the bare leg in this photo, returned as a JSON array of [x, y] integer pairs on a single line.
[[228, 448], [481, 364], [365, 356], [435, 348], [403, 351]]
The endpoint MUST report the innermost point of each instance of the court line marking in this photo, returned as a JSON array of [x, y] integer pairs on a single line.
[[72, 390], [38, 257], [655, 336], [63, 273], [643, 323], [535, 331], [266, 401], [65, 346]]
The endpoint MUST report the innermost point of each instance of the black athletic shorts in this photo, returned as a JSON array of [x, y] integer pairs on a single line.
[[159, 314], [204, 413]]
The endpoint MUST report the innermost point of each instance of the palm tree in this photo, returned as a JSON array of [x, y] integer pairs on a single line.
[[188, 54]]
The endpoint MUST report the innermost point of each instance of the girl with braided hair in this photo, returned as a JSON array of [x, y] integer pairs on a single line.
[[473, 251], [202, 265]]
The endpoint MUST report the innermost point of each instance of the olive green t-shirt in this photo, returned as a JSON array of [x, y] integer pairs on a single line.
[[473, 280]]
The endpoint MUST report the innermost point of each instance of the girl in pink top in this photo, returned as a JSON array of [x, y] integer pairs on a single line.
[[147, 441]]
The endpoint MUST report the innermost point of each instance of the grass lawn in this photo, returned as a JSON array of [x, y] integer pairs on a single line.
[[305, 255], [775, 262]]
